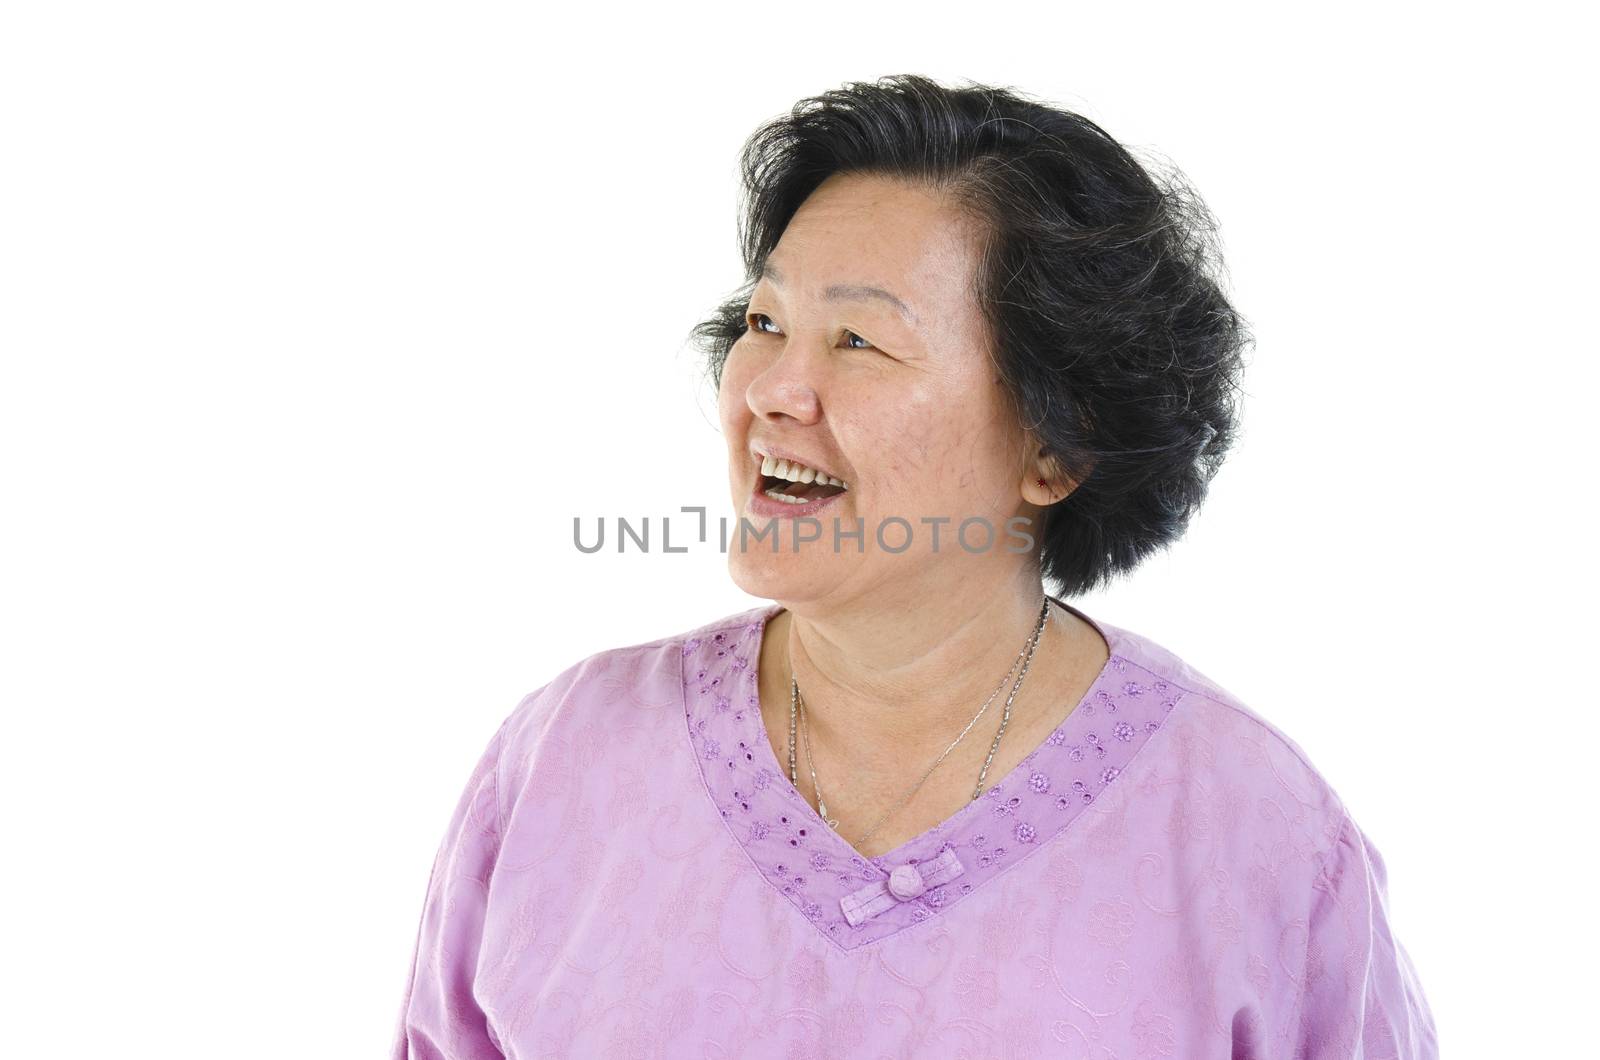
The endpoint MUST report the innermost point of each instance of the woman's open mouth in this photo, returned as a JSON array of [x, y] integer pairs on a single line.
[[793, 483]]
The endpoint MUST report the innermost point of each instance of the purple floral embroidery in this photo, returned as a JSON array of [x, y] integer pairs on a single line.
[[1003, 809], [761, 805]]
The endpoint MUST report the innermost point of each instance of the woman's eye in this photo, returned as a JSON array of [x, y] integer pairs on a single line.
[[758, 322]]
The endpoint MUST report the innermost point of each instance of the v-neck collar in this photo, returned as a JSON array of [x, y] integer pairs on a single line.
[[853, 900]]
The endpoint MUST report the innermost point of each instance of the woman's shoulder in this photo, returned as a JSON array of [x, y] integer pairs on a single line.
[[1217, 731], [621, 683], [1234, 778]]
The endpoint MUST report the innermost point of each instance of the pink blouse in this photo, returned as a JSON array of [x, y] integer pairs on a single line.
[[630, 874]]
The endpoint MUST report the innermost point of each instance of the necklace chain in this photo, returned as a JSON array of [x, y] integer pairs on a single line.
[[797, 710], [817, 787]]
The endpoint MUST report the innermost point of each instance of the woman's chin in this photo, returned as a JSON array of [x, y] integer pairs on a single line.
[[783, 575]]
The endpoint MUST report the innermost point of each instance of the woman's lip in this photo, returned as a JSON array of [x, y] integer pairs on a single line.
[[760, 504], [776, 454]]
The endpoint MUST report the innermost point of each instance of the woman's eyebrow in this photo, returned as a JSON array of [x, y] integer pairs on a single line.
[[848, 292]]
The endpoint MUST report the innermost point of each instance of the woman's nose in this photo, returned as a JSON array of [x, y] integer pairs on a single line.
[[787, 387]]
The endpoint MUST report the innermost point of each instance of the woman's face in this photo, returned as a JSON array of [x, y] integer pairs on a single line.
[[895, 393]]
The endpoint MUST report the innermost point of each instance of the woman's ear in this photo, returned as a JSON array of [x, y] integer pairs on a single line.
[[1044, 483], [1040, 490], [1042, 480]]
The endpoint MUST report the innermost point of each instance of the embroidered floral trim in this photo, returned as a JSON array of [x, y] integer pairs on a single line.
[[855, 901]]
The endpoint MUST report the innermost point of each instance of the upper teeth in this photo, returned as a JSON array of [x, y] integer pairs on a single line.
[[795, 471]]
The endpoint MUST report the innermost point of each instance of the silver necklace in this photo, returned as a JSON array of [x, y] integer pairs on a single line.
[[797, 700], [796, 709]]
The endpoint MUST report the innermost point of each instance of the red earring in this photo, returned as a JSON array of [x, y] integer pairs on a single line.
[[1041, 482]]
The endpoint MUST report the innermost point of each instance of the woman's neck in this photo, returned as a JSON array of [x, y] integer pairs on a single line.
[[887, 688]]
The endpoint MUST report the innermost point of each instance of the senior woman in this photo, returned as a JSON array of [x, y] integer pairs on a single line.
[[918, 806]]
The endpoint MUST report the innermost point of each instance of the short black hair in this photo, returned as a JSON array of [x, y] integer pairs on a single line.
[[1101, 282]]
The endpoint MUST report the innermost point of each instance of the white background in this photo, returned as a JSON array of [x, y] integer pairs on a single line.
[[321, 321]]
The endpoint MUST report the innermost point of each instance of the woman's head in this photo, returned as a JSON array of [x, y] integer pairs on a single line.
[[1047, 310]]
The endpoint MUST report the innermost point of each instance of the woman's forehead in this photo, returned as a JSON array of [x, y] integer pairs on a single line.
[[885, 224], [915, 271]]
